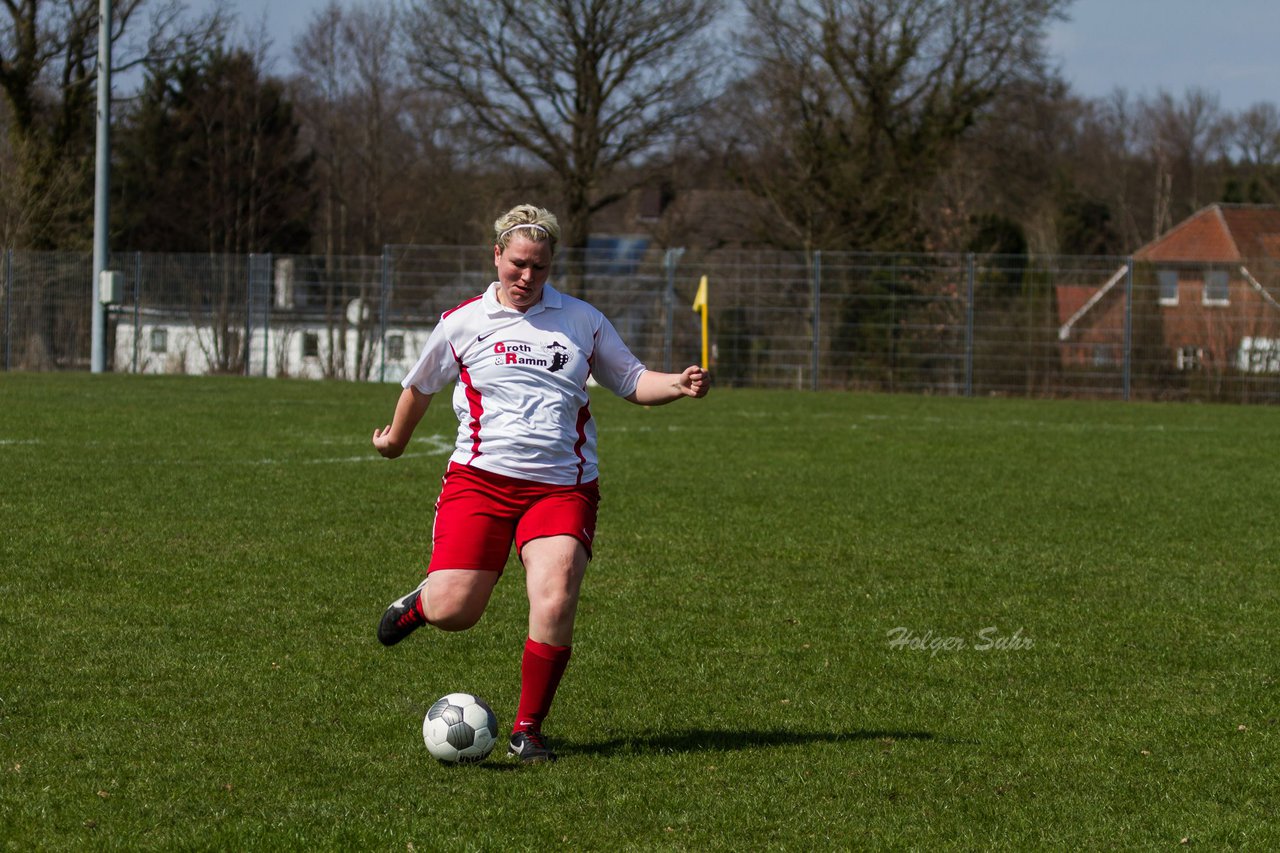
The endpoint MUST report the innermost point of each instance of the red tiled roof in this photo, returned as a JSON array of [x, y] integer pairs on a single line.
[[1219, 233]]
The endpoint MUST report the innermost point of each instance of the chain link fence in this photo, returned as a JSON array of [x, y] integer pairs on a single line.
[[924, 323]]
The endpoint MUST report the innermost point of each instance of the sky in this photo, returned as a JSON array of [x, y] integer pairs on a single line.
[[1226, 47]]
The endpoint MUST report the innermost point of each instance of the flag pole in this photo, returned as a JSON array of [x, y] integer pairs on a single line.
[[700, 305]]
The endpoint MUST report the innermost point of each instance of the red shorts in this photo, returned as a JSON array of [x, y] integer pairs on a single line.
[[480, 514]]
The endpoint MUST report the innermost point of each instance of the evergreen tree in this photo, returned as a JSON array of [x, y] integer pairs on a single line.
[[211, 162]]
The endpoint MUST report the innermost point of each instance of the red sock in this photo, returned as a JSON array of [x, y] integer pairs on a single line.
[[421, 604], [540, 672]]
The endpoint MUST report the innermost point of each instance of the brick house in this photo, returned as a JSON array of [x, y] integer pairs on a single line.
[[1205, 295]]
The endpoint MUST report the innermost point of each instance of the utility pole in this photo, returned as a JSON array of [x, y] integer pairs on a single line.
[[102, 185]]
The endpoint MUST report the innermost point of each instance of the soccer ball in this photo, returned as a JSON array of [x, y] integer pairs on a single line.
[[460, 729]]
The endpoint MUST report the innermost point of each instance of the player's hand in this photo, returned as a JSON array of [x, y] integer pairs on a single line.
[[695, 381], [383, 443]]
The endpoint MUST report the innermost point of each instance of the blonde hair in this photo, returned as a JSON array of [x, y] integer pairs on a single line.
[[534, 223]]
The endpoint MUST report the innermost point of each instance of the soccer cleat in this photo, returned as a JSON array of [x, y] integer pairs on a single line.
[[401, 618], [530, 747]]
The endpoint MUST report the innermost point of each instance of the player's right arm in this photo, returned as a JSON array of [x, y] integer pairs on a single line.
[[436, 367], [392, 439]]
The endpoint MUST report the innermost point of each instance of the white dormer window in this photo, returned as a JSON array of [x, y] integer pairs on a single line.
[[1168, 281], [1216, 288]]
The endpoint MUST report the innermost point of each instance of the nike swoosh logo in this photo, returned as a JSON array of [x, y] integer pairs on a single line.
[[481, 338]]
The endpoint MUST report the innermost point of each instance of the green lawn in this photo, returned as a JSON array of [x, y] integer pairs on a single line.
[[1086, 600]]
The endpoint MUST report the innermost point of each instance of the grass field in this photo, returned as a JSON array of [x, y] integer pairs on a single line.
[[813, 621]]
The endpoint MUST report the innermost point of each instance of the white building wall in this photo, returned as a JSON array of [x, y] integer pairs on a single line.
[[1259, 355], [174, 345]]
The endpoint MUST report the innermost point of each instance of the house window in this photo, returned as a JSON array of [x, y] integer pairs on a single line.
[[395, 347], [310, 345], [1189, 358], [1168, 280], [1215, 287], [159, 340]]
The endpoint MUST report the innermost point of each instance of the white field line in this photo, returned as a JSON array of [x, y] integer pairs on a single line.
[[435, 445], [907, 422], [935, 423], [644, 428], [429, 445]]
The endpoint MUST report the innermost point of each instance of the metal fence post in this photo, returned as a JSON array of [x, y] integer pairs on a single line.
[[8, 308], [671, 258], [137, 299], [247, 349], [384, 305], [1128, 327], [269, 274], [968, 324], [817, 316]]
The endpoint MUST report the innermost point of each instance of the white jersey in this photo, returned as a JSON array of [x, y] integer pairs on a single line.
[[521, 393]]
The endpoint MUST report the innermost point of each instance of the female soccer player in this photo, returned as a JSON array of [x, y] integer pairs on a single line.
[[523, 468]]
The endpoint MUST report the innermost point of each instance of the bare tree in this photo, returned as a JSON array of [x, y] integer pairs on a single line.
[[1014, 164], [860, 103], [1183, 138], [35, 213], [1111, 164], [321, 89], [1255, 135], [378, 69], [384, 170], [582, 87], [381, 174], [48, 70]]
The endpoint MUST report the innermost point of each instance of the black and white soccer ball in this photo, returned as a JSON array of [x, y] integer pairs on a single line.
[[460, 729]]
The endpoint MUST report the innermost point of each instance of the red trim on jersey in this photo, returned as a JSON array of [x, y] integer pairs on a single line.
[[584, 415], [591, 359], [461, 305], [475, 404]]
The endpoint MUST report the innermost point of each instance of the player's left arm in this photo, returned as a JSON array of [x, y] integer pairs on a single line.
[[656, 389], [616, 368]]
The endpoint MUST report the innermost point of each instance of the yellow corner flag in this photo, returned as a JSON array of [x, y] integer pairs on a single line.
[[700, 305]]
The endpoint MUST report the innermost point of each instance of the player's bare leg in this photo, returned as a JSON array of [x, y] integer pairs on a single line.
[[457, 598], [554, 568], [450, 599]]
